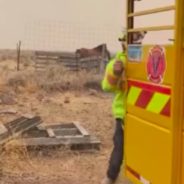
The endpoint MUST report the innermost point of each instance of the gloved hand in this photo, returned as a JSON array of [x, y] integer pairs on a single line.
[[118, 68]]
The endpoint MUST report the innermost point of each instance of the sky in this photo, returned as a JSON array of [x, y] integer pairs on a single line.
[[69, 24]]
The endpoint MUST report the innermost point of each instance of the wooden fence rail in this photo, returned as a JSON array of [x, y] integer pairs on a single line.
[[72, 61]]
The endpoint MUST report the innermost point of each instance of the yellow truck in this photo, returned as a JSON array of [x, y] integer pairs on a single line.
[[154, 139]]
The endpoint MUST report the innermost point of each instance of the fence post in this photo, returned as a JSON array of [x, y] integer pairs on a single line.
[[18, 55], [77, 59], [102, 60]]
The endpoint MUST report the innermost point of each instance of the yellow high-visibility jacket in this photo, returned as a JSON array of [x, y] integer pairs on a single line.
[[108, 85]]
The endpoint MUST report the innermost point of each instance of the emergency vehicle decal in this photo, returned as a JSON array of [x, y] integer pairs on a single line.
[[156, 64], [151, 97], [137, 176]]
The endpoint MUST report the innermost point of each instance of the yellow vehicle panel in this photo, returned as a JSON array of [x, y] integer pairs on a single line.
[[137, 70], [148, 151], [148, 140], [159, 120], [154, 126], [182, 170]]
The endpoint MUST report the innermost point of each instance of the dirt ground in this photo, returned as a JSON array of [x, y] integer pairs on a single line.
[[91, 108]]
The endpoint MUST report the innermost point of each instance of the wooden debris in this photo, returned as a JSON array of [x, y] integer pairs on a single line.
[[70, 134], [81, 129], [28, 115], [50, 132], [8, 111], [16, 127], [3, 129]]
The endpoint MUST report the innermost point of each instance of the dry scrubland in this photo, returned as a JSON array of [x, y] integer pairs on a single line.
[[57, 95]]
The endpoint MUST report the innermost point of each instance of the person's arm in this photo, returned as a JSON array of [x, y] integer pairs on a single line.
[[113, 75]]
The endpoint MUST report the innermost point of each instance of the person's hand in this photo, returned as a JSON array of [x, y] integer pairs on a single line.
[[118, 68]]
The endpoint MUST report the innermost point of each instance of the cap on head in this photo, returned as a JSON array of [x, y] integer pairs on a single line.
[[122, 38]]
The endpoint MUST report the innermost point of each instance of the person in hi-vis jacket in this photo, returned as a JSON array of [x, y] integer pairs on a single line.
[[114, 81]]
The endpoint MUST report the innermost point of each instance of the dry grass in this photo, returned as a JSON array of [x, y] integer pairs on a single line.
[[53, 79], [41, 95]]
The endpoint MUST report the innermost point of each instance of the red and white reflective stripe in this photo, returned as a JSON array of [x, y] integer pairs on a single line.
[[137, 175]]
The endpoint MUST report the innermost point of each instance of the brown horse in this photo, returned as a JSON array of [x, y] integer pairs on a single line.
[[100, 50]]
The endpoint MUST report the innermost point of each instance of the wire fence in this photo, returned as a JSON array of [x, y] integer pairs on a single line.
[[62, 36]]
